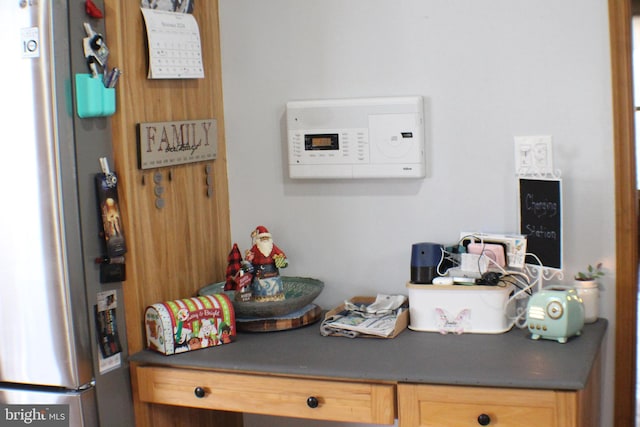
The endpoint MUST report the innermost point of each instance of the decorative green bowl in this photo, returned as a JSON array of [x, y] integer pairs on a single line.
[[298, 292]]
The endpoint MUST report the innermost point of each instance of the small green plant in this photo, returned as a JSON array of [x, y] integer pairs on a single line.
[[592, 273]]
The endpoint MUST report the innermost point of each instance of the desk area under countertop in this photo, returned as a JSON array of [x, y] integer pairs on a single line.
[[405, 367]]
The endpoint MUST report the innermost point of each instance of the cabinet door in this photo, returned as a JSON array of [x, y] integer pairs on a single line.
[[320, 399], [452, 406]]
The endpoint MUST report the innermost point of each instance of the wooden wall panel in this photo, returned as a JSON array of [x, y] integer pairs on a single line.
[[175, 250]]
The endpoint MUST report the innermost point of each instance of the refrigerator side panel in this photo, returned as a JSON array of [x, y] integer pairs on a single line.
[[94, 140], [73, 409], [44, 341]]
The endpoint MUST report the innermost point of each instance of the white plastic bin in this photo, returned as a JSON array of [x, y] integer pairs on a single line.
[[459, 308]]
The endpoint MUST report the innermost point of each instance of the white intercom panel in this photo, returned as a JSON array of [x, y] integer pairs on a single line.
[[356, 138]]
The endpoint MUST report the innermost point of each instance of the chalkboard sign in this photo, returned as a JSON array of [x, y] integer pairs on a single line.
[[541, 220]]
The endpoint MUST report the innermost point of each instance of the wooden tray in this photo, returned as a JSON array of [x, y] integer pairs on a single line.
[[305, 316]]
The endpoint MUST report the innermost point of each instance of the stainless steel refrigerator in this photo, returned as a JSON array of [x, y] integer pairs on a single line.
[[50, 355]]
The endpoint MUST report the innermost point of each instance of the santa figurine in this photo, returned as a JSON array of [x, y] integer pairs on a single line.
[[266, 259]]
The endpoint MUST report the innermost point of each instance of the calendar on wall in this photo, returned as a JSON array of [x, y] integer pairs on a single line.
[[183, 6], [174, 45]]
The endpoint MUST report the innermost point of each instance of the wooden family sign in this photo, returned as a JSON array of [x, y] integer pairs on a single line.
[[162, 144]]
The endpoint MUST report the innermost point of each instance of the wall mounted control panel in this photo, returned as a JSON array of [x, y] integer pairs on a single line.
[[356, 138]]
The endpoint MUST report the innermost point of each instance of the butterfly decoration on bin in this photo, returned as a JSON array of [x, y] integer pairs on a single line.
[[446, 322]]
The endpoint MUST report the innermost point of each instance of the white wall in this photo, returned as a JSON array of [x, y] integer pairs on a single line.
[[488, 70]]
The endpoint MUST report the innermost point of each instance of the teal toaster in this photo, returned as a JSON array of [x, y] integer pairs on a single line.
[[555, 314]]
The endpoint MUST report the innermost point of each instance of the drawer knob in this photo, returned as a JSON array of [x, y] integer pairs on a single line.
[[199, 392], [312, 402], [484, 419]]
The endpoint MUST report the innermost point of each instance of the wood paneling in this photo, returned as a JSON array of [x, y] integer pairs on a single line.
[[175, 250], [172, 251], [626, 212]]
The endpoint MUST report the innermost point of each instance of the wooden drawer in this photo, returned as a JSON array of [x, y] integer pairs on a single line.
[[452, 406], [270, 395]]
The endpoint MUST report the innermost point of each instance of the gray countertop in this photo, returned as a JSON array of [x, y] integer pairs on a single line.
[[511, 359]]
